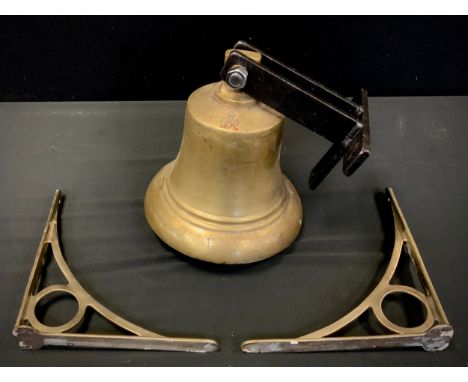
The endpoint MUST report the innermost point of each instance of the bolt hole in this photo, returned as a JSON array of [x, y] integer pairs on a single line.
[[235, 80]]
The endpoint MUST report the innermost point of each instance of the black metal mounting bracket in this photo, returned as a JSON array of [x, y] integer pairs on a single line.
[[343, 121]]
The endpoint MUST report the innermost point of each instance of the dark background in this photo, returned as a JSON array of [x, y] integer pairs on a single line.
[[161, 58], [103, 155]]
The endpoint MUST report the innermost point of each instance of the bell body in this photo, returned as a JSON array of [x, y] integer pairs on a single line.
[[224, 198]]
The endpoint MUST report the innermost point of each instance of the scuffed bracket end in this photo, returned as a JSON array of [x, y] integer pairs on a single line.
[[436, 339]]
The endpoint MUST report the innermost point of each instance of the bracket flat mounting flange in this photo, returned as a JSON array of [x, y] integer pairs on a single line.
[[30, 333]]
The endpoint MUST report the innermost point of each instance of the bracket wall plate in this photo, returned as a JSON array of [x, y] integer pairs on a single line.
[[30, 333], [433, 334]]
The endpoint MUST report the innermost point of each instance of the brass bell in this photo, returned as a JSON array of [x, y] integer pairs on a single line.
[[224, 199]]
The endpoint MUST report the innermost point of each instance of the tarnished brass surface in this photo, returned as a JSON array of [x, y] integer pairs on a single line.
[[30, 333], [433, 334], [224, 198]]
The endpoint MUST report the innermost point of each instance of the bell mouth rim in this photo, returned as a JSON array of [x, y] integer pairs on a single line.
[[222, 243]]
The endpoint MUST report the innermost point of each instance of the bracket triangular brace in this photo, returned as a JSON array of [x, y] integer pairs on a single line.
[[30, 333], [433, 334]]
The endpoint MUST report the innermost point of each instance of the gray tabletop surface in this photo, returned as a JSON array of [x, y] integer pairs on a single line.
[[103, 155]]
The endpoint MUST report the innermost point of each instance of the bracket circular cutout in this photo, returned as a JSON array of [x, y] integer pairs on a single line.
[[50, 291], [392, 326]]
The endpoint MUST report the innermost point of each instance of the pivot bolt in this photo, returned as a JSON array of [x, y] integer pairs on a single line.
[[237, 76]]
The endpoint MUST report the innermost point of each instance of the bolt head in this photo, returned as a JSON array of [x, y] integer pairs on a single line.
[[237, 76]]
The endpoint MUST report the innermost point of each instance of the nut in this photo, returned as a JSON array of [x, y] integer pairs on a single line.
[[237, 76]]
